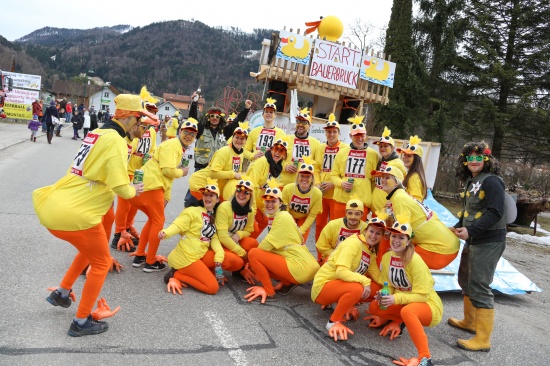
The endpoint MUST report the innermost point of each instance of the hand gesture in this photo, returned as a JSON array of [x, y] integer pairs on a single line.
[[103, 310], [258, 154], [162, 234], [248, 104], [352, 313], [374, 321], [339, 331], [393, 329], [254, 292], [404, 362], [175, 285], [366, 293], [291, 168]]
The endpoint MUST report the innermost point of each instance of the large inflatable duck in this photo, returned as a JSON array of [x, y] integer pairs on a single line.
[[331, 28]]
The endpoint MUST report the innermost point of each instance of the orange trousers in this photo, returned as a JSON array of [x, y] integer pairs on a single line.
[[322, 219], [435, 260], [199, 276], [416, 316], [125, 215], [231, 261], [151, 203], [93, 249], [267, 265], [340, 211], [107, 221], [346, 294]]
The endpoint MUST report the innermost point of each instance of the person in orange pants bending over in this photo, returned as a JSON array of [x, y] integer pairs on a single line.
[[197, 228], [73, 207], [235, 224], [126, 236], [159, 173], [281, 255], [412, 299], [337, 230], [325, 159]]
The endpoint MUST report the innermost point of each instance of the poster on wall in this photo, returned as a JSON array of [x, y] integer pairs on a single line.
[[335, 64], [377, 70], [19, 103], [25, 81], [294, 47]]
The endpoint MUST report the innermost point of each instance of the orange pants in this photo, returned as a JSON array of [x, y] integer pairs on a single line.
[[346, 294], [260, 223], [199, 276], [340, 211], [435, 260], [107, 221], [267, 265], [416, 316], [93, 249], [231, 262], [322, 219], [300, 222], [152, 205], [125, 214]]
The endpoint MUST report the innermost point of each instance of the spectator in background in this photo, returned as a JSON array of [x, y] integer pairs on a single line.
[[81, 108], [86, 123], [51, 112], [77, 122], [36, 108], [100, 116], [68, 112], [93, 121]]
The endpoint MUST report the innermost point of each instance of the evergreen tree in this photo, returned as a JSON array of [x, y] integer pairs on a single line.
[[403, 114], [505, 71]]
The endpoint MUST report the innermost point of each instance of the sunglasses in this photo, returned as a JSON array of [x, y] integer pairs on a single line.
[[474, 158], [215, 116], [301, 122], [278, 149], [244, 191], [189, 133]]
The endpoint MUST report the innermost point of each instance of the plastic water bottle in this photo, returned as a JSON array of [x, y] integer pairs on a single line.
[[384, 292]]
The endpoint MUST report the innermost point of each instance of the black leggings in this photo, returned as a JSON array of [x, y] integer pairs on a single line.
[[50, 127]]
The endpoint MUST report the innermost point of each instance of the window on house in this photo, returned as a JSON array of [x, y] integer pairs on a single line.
[[167, 108], [106, 95]]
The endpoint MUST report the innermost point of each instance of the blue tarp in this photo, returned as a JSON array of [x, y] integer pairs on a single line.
[[508, 280]]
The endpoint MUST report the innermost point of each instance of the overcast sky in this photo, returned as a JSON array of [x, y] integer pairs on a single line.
[[21, 17]]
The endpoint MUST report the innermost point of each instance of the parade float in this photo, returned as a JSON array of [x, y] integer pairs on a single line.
[[337, 78]]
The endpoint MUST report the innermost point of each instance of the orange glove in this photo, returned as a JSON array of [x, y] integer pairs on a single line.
[[339, 331], [134, 232], [175, 285], [116, 266], [125, 242], [393, 329], [352, 313], [103, 310], [327, 307], [161, 259], [375, 321], [254, 292], [71, 293], [404, 362], [248, 275]]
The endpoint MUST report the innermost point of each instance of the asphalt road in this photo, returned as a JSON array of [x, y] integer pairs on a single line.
[[154, 327]]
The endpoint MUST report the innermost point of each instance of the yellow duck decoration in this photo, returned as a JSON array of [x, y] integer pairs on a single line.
[[373, 73], [290, 49], [330, 28]]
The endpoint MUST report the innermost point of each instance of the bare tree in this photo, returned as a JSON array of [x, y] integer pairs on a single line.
[[359, 34]]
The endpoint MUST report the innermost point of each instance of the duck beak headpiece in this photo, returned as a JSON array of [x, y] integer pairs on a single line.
[[242, 129], [386, 138], [413, 147], [270, 104], [332, 123], [357, 125]]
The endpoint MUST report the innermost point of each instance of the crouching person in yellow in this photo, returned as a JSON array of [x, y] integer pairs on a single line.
[[412, 300], [73, 207], [343, 279], [235, 223], [198, 234], [281, 255]]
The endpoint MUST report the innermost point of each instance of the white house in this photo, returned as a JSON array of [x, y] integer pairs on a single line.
[[104, 98], [166, 109]]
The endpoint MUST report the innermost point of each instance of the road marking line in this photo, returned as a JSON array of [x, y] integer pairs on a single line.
[[226, 339]]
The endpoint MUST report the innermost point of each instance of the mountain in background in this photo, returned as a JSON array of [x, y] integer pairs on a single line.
[[169, 57]]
